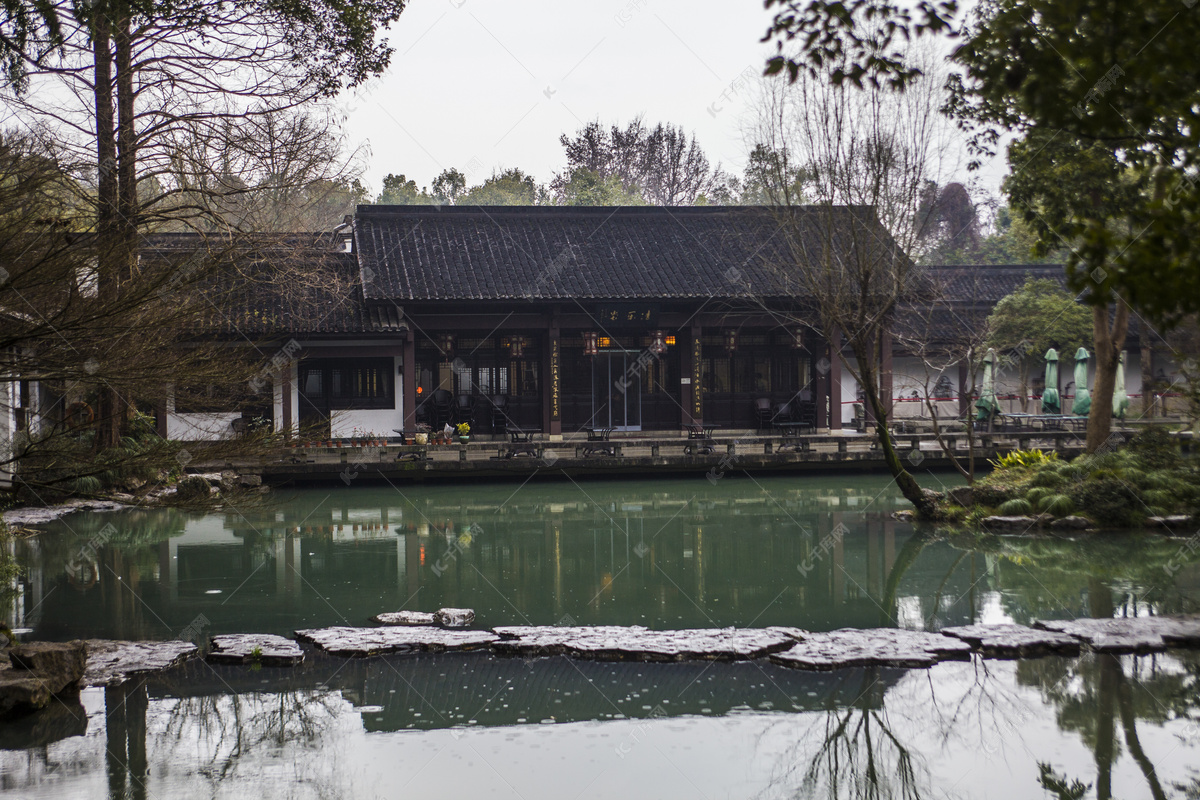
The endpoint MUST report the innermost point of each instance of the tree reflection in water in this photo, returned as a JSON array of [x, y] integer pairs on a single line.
[[224, 729]]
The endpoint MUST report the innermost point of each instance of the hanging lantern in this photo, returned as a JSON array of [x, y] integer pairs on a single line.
[[446, 344], [590, 343], [658, 343], [731, 337], [516, 346], [797, 342]]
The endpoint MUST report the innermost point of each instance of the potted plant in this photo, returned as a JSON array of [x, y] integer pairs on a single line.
[[464, 432]]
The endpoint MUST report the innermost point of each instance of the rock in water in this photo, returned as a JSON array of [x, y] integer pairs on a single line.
[[1014, 641], [1130, 634], [638, 643], [883, 647], [342, 641], [255, 648], [405, 618], [454, 617], [40, 671], [111, 663]]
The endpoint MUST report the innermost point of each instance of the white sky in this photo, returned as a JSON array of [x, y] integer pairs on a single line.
[[483, 85]]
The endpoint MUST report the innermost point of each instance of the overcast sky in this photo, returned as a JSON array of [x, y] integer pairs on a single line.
[[486, 85]]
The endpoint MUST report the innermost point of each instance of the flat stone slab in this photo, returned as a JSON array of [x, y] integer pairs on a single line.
[[882, 647], [1014, 641], [404, 618], [35, 515], [255, 648], [111, 662], [1130, 634], [360, 642], [454, 617], [640, 644]]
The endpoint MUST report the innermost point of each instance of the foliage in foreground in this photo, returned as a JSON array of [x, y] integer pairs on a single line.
[[1119, 488]]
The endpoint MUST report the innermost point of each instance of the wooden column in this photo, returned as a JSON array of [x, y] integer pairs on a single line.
[[835, 382], [409, 385], [691, 394], [964, 388], [886, 383], [552, 384], [821, 392]]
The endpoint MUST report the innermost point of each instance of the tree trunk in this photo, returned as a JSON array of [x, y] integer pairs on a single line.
[[108, 218], [1109, 341], [870, 385]]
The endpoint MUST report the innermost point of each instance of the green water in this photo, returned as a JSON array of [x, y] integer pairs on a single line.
[[815, 553]]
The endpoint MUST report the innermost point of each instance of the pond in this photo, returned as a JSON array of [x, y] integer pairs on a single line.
[[816, 553]]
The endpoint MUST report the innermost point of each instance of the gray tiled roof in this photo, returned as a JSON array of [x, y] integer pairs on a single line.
[[546, 253]]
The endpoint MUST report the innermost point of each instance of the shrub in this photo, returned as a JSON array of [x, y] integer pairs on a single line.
[[1059, 505], [1110, 501], [1155, 448], [1163, 499], [1037, 493], [993, 494], [1048, 478], [1025, 459], [1016, 508]]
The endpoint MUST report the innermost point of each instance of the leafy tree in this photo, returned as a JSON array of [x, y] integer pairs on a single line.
[[1037, 316], [661, 163], [771, 178], [400, 191], [949, 221], [1103, 99], [512, 187], [449, 186], [585, 187], [142, 89]]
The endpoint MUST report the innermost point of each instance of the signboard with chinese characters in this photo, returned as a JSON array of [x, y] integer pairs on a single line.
[[616, 315]]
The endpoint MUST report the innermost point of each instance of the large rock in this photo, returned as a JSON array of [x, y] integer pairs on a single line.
[[39, 671], [67, 659], [962, 496], [111, 663], [639, 644], [361, 642], [255, 648], [454, 617], [882, 647], [1014, 641]]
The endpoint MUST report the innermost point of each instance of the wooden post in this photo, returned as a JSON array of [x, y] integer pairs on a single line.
[[690, 398], [552, 391], [964, 389], [409, 386], [821, 393], [835, 382], [886, 383]]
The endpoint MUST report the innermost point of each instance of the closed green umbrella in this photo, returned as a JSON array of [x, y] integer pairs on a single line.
[[986, 403], [1120, 398], [1083, 400], [1051, 403]]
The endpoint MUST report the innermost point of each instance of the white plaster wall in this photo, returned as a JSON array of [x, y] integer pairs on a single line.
[[277, 398], [201, 427], [371, 422]]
